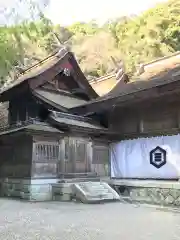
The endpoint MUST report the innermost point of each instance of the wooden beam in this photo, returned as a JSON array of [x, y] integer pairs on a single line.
[[153, 133]]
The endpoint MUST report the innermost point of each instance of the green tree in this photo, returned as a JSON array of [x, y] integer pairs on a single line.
[[133, 39]]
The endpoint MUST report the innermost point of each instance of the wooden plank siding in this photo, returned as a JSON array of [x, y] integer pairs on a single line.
[[100, 159], [53, 158], [16, 155], [46, 157], [150, 118], [76, 154], [25, 156], [68, 157], [22, 110]]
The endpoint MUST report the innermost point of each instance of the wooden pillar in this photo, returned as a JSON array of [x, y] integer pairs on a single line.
[[140, 122], [61, 164], [89, 155], [178, 118], [72, 154], [141, 125]]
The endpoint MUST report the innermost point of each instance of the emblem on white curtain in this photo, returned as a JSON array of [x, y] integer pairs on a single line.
[[158, 157]]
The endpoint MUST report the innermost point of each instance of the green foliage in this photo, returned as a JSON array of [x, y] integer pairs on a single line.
[[84, 28], [135, 40]]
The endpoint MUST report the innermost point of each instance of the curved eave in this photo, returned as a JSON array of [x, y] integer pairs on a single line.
[[48, 102]]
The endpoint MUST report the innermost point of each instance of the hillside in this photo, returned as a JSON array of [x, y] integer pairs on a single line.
[[135, 40]]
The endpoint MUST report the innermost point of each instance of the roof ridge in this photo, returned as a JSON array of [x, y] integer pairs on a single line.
[[29, 69], [38, 63], [56, 56], [162, 58], [55, 53], [102, 78]]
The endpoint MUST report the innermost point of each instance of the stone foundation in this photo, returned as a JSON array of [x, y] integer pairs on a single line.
[[39, 189], [62, 192], [165, 193], [160, 196], [150, 192], [14, 187], [28, 189]]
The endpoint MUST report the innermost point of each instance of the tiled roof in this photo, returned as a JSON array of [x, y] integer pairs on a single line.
[[47, 69], [119, 91], [73, 120], [43, 127], [58, 98], [158, 66]]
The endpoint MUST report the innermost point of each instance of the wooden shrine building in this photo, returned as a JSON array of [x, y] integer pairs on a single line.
[[57, 127], [43, 142]]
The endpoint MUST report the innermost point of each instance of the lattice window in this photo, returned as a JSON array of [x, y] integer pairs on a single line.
[[100, 154], [45, 152]]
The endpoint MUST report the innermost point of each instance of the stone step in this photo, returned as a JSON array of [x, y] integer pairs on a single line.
[[91, 179], [78, 175], [96, 190], [88, 192]]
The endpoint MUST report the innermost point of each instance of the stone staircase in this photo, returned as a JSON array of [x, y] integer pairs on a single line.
[[84, 191], [91, 192]]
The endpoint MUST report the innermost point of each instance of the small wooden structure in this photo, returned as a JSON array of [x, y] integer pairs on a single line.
[[44, 141]]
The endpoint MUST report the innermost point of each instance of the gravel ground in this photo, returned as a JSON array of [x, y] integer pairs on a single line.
[[71, 221]]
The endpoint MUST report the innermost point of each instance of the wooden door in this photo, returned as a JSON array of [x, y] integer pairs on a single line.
[[80, 156], [76, 155], [100, 159]]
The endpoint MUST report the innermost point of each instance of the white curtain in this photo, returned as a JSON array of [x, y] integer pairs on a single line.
[[131, 158]]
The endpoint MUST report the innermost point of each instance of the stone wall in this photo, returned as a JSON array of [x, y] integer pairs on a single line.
[[160, 196], [27, 189], [150, 192]]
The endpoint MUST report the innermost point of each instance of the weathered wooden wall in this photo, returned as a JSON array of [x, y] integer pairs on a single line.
[[68, 156], [15, 156], [23, 156], [56, 157], [46, 156], [22, 108], [151, 118], [100, 158], [76, 155]]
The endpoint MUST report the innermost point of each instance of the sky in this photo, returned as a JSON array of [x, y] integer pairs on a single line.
[[66, 12]]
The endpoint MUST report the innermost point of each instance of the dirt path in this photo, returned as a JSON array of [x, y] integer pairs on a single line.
[[71, 221]]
